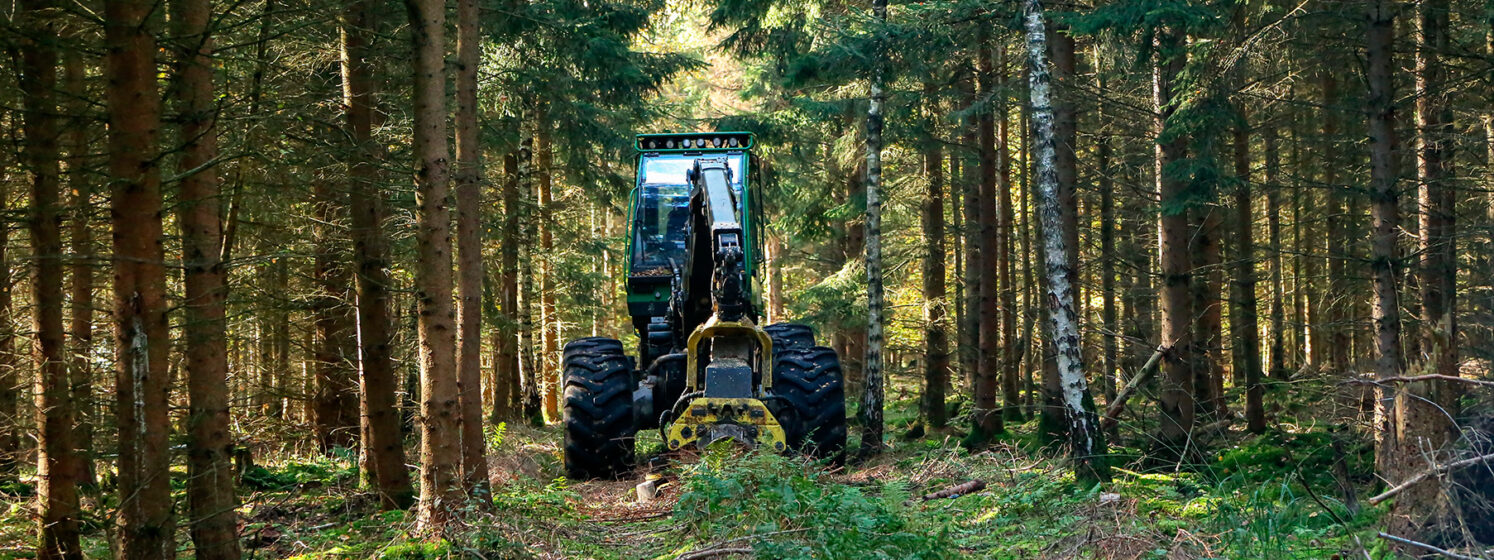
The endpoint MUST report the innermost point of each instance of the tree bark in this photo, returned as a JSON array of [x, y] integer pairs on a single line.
[[80, 327], [871, 396], [988, 419], [10, 379], [378, 401], [936, 339], [1108, 312], [440, 413], [1085, 439], [211, 480], [56, 469], [1175, 302], [334, 395], [970, 186], [1244, 318], [1412, 421], [1437, 199], [1061, 44], [142, 382], [505, 403], [1011, 396], [549, 323], [1278, 369], [469, 250]]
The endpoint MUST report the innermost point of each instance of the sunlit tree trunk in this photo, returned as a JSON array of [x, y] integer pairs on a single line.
[[141, 336], [210, 487], [1175, 301], [871, 396], [440, 413], [549, 324], [383, 446], [1087, 444], [1065, 139], [80, 234], [469, 250], [936, 337], [1437, 199], [56, 469], [505, 402]]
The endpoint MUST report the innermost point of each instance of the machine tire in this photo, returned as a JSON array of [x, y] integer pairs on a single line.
[[600, 345], [811, 403], [790, 335], [599, 426], [670, 369]]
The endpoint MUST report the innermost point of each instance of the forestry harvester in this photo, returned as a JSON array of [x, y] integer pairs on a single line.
[[705, 371]]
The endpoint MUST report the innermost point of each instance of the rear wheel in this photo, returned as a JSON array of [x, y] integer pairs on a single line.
[[599, 425], [811, 403], [790, 335]]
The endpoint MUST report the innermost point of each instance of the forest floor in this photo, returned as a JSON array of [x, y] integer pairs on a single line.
[[1267, 496]]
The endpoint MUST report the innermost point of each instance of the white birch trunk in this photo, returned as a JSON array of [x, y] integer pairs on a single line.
[[871, 396], [1084, 438]]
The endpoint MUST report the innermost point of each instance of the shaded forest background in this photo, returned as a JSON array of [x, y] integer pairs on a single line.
[[1279, 216]]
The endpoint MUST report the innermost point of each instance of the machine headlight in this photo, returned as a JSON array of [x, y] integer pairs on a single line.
[[732, 142]]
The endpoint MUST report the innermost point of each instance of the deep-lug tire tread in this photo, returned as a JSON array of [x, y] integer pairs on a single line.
[[812, 404], [790, 335], [599, 426]]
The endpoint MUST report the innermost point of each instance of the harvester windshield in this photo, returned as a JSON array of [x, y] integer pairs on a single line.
[[664, 207]]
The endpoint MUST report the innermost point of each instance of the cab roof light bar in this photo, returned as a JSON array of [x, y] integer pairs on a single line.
[[694, 142]]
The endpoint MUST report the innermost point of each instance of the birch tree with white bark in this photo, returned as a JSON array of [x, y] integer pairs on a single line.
[[1086, 442]]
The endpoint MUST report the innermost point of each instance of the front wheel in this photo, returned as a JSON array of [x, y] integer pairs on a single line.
[[811, 400], [599, 426]]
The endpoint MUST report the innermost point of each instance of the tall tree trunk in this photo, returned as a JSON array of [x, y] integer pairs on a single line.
[[56, 469], [383, 447], [936, 339], [776, 311], [871, 396], [970, 186], [505, 403], [334, 395], [534, 377], [1278, 369], [1065, 130], [1108, 312], [1327, 324], [1011, 396], [211, 480], [1244, 320], [141, 336], [80, 327], [988, 418], [440, 413], [469, 250], [1437, 199], [10, 378], [1087, 444], [549, 324], [1175, 301]]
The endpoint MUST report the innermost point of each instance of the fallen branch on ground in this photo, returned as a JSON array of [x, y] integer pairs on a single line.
[[712, 552], [1425, 546], [957, 490], [1419, 378], [1443, 469], [1113, 410]]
